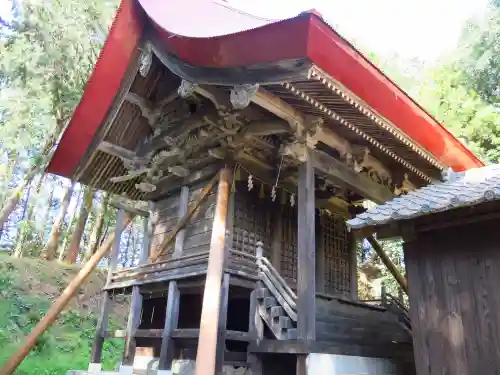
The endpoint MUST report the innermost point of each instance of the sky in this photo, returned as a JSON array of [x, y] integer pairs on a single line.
[[426, 29]]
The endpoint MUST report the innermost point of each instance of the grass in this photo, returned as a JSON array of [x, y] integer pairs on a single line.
[[27, 289]]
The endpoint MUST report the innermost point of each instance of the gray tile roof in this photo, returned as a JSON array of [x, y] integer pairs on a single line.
[[459, 189]]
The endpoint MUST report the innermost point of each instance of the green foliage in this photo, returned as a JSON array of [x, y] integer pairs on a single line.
[[69, 340], [479, 55]]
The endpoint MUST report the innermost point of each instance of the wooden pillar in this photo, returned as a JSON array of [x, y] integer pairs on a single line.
[[115, 250], [207, 342], [320, 259], [134, 317], [171, 321], [353, 265], [301, 368], [102, 325], [306, 248], [102, 322], [277, 232], [173, 296], [221, 338]]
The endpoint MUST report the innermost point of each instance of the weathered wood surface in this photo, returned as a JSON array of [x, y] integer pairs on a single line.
[[171, 321], [207, 343], [402, 352], [164, 247], [348, 178], [306, 247], [453, 277], [339, 320]]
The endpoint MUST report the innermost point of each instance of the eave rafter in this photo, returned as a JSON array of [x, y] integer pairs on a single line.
[[317, 74], [335, 116]]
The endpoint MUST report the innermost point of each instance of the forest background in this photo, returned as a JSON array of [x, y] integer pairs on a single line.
[[47, 51]]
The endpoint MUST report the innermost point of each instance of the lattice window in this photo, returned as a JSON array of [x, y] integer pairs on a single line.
[[252, 222], [335, 242], [288, 258]]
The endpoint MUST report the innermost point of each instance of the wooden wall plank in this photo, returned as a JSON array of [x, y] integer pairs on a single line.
[[454, 301]]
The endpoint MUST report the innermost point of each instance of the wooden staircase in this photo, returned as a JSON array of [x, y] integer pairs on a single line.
[[276, 301]]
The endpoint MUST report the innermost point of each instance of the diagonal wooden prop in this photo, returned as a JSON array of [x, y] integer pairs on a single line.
[[15, 360], [388, 263], [184, 220]]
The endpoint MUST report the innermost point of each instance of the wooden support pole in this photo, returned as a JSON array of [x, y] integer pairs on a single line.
[[173, 298], [14, 361], [207, 342], [102, 326], [183, 221], [134, 317], [182, 211], [388, 263], [277, 232], [353, 260], [306, 248], [171, 321], [221, 337]]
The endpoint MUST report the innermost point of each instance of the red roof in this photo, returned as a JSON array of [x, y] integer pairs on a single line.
[[210, 34]]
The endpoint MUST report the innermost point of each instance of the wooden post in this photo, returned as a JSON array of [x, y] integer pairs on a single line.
[[388, 263], [173, 296], [184, 220], [115, 251], [102, 325], [277, 232], [54, 311], [134, 318], [221, 339], [207, 343], [306, 247], [353, 265], [182, 210], [171, 321], [320, 260]]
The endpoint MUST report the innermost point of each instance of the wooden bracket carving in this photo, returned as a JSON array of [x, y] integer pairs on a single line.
[[364, 162], [241, 95], [146, 59], [186, 89], [294, 150]]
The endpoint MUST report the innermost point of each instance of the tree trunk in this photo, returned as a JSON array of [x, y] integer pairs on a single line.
[[12, 201], [21, 236], [47, 213], [26, 230], [76, 237], [49, 252], [64, 248], [98, 226]]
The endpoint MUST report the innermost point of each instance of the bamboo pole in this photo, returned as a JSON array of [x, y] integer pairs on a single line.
[[388, 263], [183, 221], [15, 360]]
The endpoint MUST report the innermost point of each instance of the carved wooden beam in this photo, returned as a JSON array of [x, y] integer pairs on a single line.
[[124, 154], [346, 177]]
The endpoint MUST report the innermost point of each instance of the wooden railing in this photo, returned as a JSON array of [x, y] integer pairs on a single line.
[[185, 266], [278, 287], [189, 265]]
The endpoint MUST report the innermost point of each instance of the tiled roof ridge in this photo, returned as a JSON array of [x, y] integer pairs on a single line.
[[457, 189]]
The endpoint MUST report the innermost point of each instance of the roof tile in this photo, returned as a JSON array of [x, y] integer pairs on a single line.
[[467, 188]]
